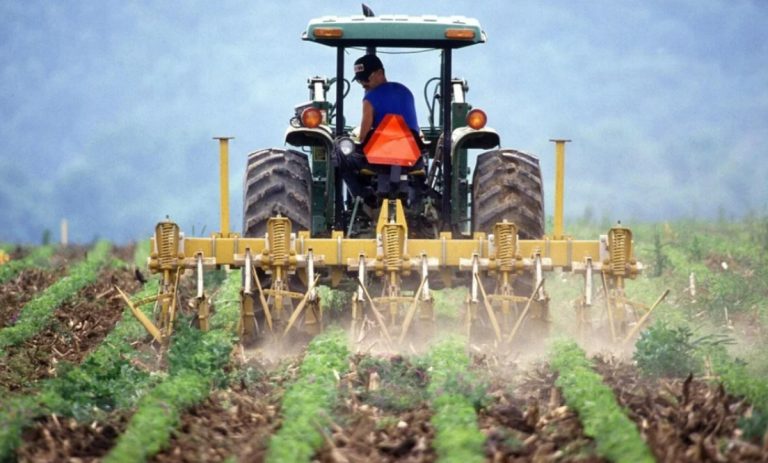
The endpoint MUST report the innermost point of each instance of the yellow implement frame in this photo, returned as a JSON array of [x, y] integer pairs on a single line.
[[390, 256]]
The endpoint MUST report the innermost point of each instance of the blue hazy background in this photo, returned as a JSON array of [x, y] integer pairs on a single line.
[[108, 108]]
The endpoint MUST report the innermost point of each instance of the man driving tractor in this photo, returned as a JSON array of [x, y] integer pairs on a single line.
[[382, 99]]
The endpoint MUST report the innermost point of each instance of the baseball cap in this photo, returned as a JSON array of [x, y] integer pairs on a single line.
[[366, 65]]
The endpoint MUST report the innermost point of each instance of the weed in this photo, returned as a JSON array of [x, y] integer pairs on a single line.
[[665, 351]]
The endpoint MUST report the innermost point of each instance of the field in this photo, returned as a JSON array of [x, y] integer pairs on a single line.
[[82, 381]]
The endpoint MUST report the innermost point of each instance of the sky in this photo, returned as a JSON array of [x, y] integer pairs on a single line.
[[109, 108]]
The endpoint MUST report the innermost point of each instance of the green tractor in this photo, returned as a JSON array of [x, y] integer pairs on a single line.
[[304, 185], [433, 225]]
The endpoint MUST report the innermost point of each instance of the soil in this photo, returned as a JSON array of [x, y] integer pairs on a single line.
[[54, 438], [78, 326], [379, 418], [27, 285], [683, 419]]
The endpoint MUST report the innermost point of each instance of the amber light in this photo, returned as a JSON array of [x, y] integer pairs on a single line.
[[461, 34], [477, 119], [311, 117], [328, 33]]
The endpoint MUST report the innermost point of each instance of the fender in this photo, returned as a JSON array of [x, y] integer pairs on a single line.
[[467, 137], [304, 136]]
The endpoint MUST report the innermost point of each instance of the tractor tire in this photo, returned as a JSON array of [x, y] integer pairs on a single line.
[[507, 186], [276, 181]]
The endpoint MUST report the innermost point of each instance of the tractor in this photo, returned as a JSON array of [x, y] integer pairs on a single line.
[[432, 226]]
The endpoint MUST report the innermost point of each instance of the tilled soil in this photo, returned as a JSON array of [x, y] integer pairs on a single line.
[[55, 438], [230, 422], [382, 416], [529, 421], [525, 420], [77, 327], [27, 285], [682, 420]]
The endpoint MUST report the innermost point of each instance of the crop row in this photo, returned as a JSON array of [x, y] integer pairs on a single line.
[[616, 436], [37, 313], [38, 257], [452, 389], [107, 379], [307, 402], [196, 360]]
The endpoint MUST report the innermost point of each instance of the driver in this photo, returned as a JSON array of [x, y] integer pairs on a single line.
[[381, 98]]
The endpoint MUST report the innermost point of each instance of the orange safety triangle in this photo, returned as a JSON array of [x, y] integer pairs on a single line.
[[392, 143]]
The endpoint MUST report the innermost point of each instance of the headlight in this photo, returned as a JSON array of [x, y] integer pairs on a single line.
[[347, 146]]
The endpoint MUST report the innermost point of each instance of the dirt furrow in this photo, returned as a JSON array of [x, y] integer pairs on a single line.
[[54, 438], [528, 420], [23, 288], [682, 420], [79, 326]]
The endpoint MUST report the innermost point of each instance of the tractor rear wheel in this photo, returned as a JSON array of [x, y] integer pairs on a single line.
[[276, 181], [507, 186]]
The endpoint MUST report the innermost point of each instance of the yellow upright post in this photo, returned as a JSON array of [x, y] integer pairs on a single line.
[[224, 181], [558, 233]]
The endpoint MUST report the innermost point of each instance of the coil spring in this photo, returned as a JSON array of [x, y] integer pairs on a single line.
[[393, 252], [278, 241], [618, 248], [506, 244], [167, 238]]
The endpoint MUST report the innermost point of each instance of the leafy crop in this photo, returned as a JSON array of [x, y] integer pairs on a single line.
[[616, 436], [37, 258], [196, 362], [106, 379], [308, 401], [454, 395], [37, 313]]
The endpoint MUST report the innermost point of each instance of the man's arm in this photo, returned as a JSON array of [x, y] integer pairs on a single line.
[[367, 122]]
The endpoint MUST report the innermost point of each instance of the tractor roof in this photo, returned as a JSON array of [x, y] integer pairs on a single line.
[[395, 31]]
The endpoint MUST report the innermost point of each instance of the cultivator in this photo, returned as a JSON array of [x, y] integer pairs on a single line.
[[403, 269], [432, 226]]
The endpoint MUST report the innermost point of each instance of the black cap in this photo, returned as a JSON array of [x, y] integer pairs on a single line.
[[366, 65]]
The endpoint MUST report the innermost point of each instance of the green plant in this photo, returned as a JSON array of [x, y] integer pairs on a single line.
[[616, 436], [37, 313], [402, 384], [196, 364], [665, 351], [308, 401], [453, 393], [738, 381], [105, 380], [39, 257]]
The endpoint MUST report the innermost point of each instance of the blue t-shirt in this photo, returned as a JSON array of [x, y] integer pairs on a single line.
[[393, 98]]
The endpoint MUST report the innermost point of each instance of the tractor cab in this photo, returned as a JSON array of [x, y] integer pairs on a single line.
[[436, 193]]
